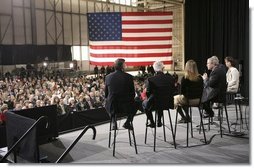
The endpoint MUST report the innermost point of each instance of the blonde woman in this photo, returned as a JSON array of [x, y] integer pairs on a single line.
[[190, 92]]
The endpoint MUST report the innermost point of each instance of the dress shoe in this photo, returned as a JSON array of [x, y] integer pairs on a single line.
[[182, 121], [127, 126], [114, 127], [206, 115], [159, 124], [152, 125], [216, 106]]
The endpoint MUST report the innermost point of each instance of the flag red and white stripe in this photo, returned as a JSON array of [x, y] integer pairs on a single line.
[[146, 37]]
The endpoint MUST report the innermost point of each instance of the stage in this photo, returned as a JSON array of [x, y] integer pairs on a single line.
[[227, 150]]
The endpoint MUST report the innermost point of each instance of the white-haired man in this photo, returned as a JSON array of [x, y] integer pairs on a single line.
[[215, 85], [160, 89]]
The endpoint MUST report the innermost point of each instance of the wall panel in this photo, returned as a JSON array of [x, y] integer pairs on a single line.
[[75, 6], [66, 6], [28, 26], [59, 28], [75, 26], [40, 27], [27, 3], [50, 27], [17, 2], [39, 3], [19, 26], [91, 6], [5, 6], [83, 7], [84, 34], [6, 30], [67, 29]]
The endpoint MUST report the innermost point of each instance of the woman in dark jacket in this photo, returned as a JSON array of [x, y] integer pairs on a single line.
[[191, 90]]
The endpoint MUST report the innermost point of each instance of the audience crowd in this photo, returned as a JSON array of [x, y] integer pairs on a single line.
[[29, 89]]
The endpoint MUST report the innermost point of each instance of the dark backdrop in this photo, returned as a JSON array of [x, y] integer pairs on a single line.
[[24, 54], [221, 28]]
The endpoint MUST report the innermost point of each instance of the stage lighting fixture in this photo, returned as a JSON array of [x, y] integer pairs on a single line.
[[45, 64], [71, 65]]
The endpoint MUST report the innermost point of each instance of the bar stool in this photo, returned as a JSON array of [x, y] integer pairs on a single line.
[[230, 99], [221, 105], [189, 107], [163, 124], [113, 127]]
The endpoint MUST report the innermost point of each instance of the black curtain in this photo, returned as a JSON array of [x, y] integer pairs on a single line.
[[221, 28]]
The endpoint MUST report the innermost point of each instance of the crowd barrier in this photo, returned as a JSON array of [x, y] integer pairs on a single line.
[[76, 120], [67, 122]]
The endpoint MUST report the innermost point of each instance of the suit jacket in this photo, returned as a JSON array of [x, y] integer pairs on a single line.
[[160, 90], [119, 90], [217, 81]]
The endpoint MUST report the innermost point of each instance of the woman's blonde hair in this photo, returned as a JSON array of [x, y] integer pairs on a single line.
[[191, 70]]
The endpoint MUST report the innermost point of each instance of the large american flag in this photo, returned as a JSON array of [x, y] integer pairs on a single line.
[[139, 37]]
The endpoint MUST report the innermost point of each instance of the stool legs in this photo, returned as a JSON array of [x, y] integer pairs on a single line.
[[164, 127], [146, 130], [171, 125], [113, 120], [226, 112], [191, 122], [114, 142], [220, 118], [164, 131], [134, 139], [202, 125], [110, 128], [154, 139]]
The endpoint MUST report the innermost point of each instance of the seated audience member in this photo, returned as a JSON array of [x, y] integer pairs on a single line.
[[214, 86], [191, 86], [56, 101], [4, 109], [88, 100], [143, 93], [9, 102], [82, 104], [159, 91], [232, 75], [18, 107], [98, 100], [38, 103], [63, 107], [72, 105], [30, 105]]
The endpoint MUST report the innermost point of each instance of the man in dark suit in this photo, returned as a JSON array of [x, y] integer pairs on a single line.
[[215, 83], [120, 93], [160, 89]]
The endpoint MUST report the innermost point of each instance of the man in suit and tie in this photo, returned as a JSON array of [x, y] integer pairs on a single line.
[[120, 93], [160, 90]]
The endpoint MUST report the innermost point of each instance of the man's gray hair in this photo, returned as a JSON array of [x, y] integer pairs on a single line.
[[158, 66], [214, 60]]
